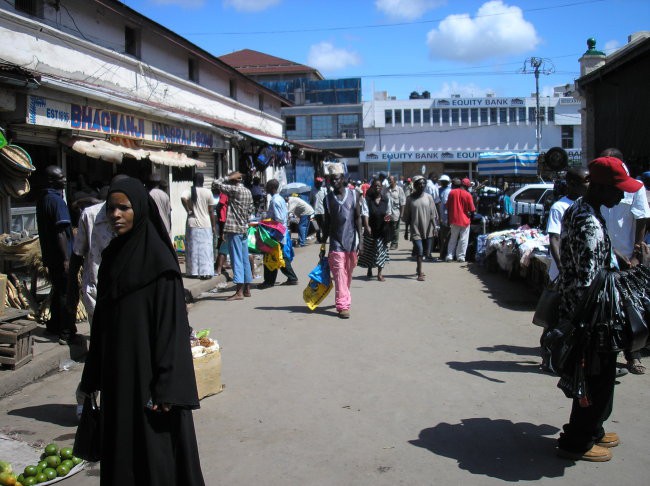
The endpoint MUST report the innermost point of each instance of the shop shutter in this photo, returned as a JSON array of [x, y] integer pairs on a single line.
[[35, 136]]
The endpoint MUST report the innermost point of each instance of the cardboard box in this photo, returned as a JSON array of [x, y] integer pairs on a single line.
[[207, 370]]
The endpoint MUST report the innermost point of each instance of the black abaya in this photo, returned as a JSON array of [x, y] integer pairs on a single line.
[[140, 351]]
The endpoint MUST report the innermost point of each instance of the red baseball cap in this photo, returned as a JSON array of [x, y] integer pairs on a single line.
[[611, 171], [466, 182]]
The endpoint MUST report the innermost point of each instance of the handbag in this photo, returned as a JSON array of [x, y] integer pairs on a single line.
[[547, 310], [87, 440]]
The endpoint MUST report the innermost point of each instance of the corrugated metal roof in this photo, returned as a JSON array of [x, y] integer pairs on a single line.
[[248, 61]]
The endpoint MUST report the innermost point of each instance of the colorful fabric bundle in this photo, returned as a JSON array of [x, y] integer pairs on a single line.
[[273, 260]]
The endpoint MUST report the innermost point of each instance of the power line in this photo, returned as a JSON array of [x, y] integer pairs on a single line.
[[381, 26]]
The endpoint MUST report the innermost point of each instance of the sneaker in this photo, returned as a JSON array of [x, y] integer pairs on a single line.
[[610, 439], [344, 313], [461, 260], [449, 259], [290, 282], [595, 454], [621, 372]]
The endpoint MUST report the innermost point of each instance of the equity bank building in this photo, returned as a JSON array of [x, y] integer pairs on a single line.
[[446, 135]]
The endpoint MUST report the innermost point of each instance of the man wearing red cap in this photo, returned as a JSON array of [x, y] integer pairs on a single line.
[[585, 249], [460, 207]]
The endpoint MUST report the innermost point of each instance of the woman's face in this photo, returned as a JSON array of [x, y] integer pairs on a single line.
[[120, 212], [376, 187]]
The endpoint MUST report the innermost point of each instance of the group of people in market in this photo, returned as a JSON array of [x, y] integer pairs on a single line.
[[131, 274]]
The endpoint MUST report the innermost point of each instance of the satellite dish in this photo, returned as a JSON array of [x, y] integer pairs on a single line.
[[555, 159]]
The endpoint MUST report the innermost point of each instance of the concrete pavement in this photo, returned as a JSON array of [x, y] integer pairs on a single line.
[[433, 382]]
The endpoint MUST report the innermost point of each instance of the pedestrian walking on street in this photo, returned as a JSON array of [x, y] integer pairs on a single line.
[[443, 233], [420, 219], [304, 212], [55, 237], [278, 212], [199, 230], [585, 250], [377, 231], [240, 208], [342, 225], [161, 198], [460, 209], [397, 200], [139, 356]]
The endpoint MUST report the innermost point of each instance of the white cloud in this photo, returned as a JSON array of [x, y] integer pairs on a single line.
[[250, 5], [496, 30], [611, 46], [181, 3], [325, 57], [470, 90], [407, 9], [546, 91]]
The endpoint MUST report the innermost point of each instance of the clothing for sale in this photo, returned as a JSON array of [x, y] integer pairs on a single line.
[[421, 216], [164, 206], [94, 233], [554, 225], [459, 204], [199, 216], [621, 220], [341, 220], [140, 354]]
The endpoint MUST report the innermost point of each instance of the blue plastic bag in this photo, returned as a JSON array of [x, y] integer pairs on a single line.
[[321, 272]]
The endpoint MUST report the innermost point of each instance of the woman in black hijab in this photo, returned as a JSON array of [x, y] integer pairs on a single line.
[[139, 355]]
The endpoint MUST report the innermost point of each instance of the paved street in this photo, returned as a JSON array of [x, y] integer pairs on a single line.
[[432, 382]]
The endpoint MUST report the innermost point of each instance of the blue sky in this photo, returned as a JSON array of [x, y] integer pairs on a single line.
[[443, 46]]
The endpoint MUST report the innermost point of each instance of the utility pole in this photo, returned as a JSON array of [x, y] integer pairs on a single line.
[[545, 66]]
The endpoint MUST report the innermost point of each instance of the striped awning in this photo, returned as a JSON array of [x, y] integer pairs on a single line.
[[507, 164]]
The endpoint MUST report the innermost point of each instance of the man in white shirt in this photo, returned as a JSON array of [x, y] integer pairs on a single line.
[[626, 229], [577, 179], [304, 212]]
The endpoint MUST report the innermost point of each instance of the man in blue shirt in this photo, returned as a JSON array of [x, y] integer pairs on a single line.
[[278, 211], [55, 235]]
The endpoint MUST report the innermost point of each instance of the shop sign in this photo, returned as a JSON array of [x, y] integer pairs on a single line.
[[480, 102], [420, 156], [46, 112]]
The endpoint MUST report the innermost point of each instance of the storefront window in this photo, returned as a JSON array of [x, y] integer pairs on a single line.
[[493, 116], [454, 117], [445, 116], [407, 117], [522, 115], [417, 116], [513, 115], [503, 115], [426, 116], [398, 117], [474, 115], [484, 115], [464, 116], [322, 126]]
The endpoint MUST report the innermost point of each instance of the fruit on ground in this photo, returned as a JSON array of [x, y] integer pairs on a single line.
[[50, 473], [51, 449], [53, 461], [7, 478], [66, 453], [30, 471], [62, 471], [76, 460], [40, 477]]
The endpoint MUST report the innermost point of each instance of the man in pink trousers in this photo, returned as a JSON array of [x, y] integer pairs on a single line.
[[342, 225]]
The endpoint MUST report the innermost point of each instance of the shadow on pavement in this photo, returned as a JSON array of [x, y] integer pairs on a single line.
[[497, 448], [509, 348], [510, 294], [301, 309], [476, 367], [53, 413]]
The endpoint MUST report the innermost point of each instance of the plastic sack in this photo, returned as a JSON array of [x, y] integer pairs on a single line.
[[272, 224], [288, 248], [274, 259], [321, 272], [315, 293], [252, 240]]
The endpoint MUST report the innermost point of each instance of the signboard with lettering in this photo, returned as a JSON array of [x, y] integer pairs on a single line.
[[438, 156], [480, 102], [46, 112]]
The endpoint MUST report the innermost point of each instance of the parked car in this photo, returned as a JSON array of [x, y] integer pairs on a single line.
[[529, 203]]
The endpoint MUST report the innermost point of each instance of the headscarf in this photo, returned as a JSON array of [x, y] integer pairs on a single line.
[[137, 258]]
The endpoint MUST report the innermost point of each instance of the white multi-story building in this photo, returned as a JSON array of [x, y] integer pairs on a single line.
[[447, 135]]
